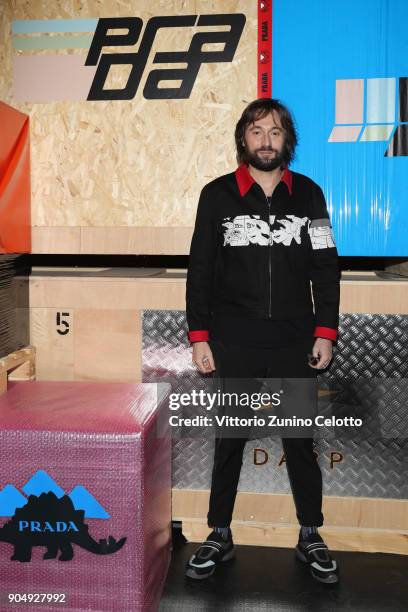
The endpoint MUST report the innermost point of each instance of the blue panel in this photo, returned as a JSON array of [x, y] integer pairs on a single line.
[[365, 191]]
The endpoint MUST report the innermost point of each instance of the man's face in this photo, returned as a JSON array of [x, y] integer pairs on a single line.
[[264, 142]]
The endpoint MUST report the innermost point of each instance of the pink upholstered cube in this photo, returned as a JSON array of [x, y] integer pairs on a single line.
[[85, 494]]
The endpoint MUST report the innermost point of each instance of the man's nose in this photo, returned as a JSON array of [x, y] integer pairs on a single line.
[[266, 140]]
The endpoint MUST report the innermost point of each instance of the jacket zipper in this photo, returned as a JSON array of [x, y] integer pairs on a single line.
[[269, 248]]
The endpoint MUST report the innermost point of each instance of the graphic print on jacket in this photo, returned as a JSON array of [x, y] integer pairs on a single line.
[[250, 229], [243, 230]]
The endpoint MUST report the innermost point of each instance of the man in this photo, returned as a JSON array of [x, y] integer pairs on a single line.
[[262, 240]]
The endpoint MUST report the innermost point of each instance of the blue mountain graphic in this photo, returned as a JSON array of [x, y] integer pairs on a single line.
[[83, 500], [10, 499], [41, 482]]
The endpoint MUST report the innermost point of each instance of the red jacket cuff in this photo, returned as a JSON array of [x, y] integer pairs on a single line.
[[200, 335], [325, 332]]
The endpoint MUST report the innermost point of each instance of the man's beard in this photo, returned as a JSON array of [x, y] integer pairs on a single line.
[[266, 164]]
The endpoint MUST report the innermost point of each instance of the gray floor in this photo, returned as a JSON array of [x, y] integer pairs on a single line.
[[265, 578]]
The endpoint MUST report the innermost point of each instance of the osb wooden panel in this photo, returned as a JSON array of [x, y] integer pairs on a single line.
[[112, 240], [137, 163], [167, 292]]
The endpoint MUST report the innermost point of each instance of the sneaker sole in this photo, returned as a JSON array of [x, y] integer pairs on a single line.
[[191, 572], [331, 578]]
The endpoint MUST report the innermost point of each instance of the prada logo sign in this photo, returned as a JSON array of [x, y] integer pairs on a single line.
[[102, 44]]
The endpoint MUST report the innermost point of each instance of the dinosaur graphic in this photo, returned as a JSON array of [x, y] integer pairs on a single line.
[[47, 520]]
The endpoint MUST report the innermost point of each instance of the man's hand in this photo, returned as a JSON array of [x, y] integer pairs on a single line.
[[323, 349], [202, 357]]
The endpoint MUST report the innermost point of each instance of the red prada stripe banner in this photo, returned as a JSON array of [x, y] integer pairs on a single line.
[[264, 48]]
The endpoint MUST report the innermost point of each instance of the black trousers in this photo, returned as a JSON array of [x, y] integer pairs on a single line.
[[303, 470]]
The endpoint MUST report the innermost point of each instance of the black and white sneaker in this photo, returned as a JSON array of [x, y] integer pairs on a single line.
[[203, 562], [314, 551]]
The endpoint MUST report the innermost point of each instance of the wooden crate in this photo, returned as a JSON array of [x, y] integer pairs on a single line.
[[366, 524], [18, 365]]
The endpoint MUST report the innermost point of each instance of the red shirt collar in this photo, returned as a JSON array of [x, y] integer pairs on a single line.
[[245, 180]]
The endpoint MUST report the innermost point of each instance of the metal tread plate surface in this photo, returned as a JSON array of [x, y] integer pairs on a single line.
[[369, 372]]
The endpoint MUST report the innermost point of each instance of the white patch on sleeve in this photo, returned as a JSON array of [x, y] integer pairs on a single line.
[[321, 236]]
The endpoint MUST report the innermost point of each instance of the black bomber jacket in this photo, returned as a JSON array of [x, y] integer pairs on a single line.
[[256, 258]]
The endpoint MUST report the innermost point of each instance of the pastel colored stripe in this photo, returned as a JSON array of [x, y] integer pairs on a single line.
[[381, 100], [29, 26], [379, 133], [52, 42], [45, 78], [349, 101], [345, 133]]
